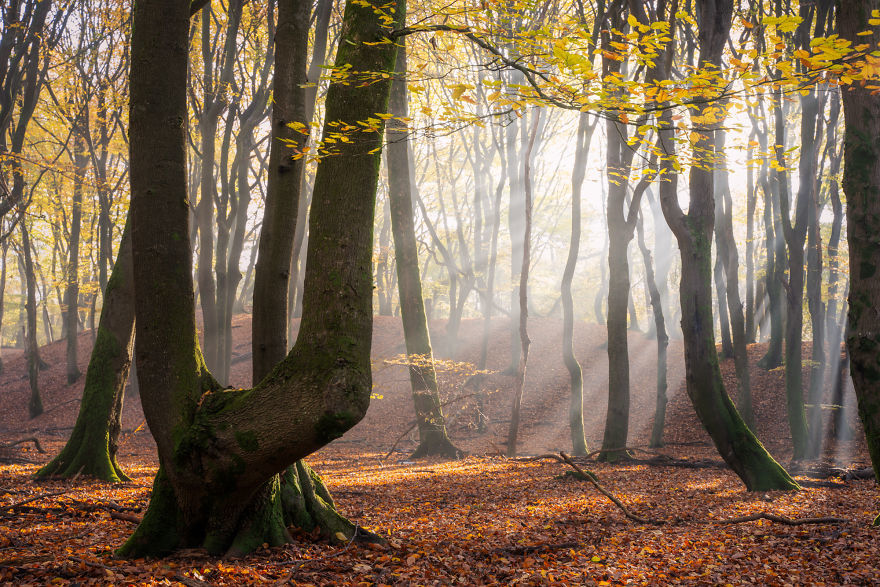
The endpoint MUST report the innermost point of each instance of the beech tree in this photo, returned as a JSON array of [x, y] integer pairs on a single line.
[[220, 450], [737, 445], [861, 184]]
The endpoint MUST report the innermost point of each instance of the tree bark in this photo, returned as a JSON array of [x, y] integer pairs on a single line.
[[92, 446], [433, 438], [576, 406], [861, 184], [220, 450], [736, 444]]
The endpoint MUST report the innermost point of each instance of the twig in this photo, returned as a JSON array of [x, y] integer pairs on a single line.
[[35, 498], [608, 494], [125, 517], [780, 519], [739, 520], [32, 439]]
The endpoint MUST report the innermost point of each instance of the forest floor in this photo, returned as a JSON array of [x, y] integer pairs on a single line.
[[480, 520]]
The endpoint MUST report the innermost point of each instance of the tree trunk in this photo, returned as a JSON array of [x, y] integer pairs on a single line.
[[92, 446], [519, 382], [433, 438], [739, 448], [861, 184], [71, 294], [576, 406], [35, 403], [220, 450]]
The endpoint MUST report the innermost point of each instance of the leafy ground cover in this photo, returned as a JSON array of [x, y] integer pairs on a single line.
[[484, 519]]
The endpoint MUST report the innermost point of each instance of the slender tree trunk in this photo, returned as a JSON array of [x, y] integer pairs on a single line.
[[523, 289], [737, 445], [576, 406], [35, 403], [433, 438], [71, 294]]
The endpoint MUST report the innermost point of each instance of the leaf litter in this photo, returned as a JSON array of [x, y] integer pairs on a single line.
[[481, 520]]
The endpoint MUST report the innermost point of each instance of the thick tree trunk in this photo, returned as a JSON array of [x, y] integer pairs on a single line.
[[861, 184], [433, 438], [220, 451], [91, 448]]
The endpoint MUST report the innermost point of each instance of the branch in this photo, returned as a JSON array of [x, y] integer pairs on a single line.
[[32, 439]]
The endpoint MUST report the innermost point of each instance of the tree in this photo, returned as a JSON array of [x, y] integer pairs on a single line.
[[433, 438], [861, 184], [91, 448], [737, 445], [220, 450]]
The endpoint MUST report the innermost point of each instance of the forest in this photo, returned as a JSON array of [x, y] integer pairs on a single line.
[[372, 292]]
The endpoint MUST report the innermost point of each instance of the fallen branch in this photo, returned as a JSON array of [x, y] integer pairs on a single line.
[[609, 495], [739, 520], [780, 520], [32, 439], [33, 499]]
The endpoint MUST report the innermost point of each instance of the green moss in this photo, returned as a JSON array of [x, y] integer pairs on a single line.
[[876, 521], [247, 440], [158, 533], [333, 425]]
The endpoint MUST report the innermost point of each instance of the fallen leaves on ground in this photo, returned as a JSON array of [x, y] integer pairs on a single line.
[[477, 521]]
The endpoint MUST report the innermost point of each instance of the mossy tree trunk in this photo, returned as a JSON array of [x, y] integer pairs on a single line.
[[433, 437], [91, 448], [737, 445], [220, 451], [300, 490], [861, 184]]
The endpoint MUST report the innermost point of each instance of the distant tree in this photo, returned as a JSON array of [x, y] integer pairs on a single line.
[[433, 438]]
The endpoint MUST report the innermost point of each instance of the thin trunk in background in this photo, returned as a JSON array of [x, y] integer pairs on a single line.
[[576, 407], [519, 382], [433, 438]]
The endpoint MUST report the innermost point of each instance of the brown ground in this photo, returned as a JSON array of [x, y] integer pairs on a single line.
[[480, 520]]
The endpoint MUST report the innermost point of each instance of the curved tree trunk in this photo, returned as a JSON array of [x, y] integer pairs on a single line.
[[91, 448], [736, 444], [523, 289], [220, 451], [576, 407]]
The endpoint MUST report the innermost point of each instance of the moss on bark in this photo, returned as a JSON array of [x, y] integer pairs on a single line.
[[91, 448]]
